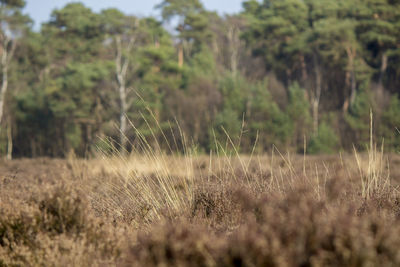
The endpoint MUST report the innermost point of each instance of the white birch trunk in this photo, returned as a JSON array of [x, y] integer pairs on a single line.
[[122, 64], [7, 51]]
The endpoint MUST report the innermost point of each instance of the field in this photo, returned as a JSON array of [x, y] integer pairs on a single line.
[[159, 210]]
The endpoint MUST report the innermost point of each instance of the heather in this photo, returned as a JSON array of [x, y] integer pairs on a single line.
[[268, 210]]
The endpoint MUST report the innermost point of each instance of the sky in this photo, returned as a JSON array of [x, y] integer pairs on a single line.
[[40, 10]]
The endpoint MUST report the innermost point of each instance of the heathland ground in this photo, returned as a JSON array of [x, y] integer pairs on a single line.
[[165, 210]]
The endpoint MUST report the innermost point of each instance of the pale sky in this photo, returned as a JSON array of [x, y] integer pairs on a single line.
[[40, 10]]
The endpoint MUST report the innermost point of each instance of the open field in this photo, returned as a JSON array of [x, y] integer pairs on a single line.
[[155, 210]]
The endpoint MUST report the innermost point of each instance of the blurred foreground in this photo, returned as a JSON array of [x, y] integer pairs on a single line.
[[156, 210]]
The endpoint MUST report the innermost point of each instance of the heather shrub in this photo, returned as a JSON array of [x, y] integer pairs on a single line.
[[63, 211], [17, 228], [57, 226], [175, 244], [294, 229], [217, 206], [277, 210]]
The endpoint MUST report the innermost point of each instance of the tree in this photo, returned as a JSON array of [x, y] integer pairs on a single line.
[[232, 111], [378, 30], [13, 25], [76, 78], [276, 32], [391, 125], [159, 77], [298, 110], [234, 44], [28, 103], [267, 119], [123, 30], [73, 78], [296, 39], [325, 142], [358, 118], [180, 9]]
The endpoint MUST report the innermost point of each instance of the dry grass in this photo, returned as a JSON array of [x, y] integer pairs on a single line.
[[225, 209], [374, 172], [271, 210]]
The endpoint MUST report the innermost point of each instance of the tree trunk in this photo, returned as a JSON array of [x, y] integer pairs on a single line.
[[288, 79], [346, 101], [234, 44], [315, 116], [304, 74], [4, 68], [384, 63], [98, 117], [7, 53], [9, 142], [122, 64], [353, 86], [180, 54], [33, 148], [122, 128], [3, 89], [350, 78], [317, 93]]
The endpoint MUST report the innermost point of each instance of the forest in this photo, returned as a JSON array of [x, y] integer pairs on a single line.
[[301, 75]]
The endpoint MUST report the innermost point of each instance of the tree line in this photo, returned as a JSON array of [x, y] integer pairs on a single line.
[[297, 74]]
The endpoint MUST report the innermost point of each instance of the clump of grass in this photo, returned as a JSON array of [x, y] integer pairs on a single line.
[[375, 177], [148, 184]]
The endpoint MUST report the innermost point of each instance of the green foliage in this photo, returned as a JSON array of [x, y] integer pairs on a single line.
[[171, 8], [271, 124], [13, 3], [277, 31], [325, 142], [298, 110], [326, 56], [113, 21], [71, 94], [229, 120], [378, 31], [196, 30], [359, 119], [77, 19], [391, 125], [203, 64], [227, 126]]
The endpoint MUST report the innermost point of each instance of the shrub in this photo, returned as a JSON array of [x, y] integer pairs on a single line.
[[298, 110], [326, 141], [58, 226], [391, 124], [358, 119], [279, 230]]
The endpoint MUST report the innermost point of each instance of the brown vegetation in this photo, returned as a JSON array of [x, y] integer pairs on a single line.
[[157, 210]]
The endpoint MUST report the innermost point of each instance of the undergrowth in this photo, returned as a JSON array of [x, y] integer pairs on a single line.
[[152, 208]]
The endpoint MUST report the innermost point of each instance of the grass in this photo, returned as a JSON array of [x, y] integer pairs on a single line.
[[161, 209]]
